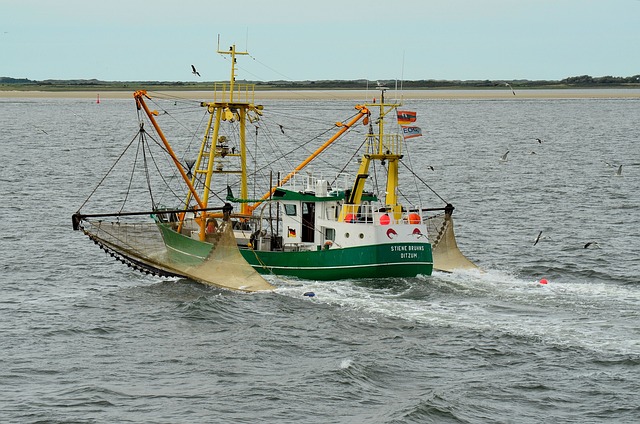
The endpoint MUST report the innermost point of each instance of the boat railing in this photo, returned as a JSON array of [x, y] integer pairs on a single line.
[[376, 215], [242, 93], [321, 186], [391, 144]]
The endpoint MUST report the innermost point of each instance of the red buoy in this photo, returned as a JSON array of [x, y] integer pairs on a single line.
[[543, 281]]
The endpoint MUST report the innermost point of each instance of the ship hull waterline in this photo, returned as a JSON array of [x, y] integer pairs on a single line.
[[368, 261]]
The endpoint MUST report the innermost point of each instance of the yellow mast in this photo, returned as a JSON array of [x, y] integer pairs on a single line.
[[230, 109], [386, 148], [231, 102]]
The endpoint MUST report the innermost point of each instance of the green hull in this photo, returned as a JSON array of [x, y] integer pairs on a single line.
[[373, 261], [377, 261], [183, 249]]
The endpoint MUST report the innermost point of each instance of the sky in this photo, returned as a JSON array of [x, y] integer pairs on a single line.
[[298, 40]]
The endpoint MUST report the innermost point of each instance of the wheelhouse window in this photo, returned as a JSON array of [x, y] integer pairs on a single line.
[[290, 209], [330, 234]]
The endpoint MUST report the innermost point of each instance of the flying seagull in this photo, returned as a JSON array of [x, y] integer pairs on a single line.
[[619, 171], [540, 237], [504, 157], [189, 163], [537, 238], [193, 71], [509, 85], [539, 140], [281, 128]]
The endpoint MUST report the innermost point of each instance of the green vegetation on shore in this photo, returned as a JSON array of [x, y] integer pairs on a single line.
[[584, 81]]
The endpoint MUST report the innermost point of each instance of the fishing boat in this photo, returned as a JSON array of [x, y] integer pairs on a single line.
[[307, 224]]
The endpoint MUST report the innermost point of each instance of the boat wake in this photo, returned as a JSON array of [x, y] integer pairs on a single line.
[[562, 314]]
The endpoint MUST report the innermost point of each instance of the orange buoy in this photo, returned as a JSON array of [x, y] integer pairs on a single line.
[[385, 220], [543, 281], [414, 218], [350, 218]]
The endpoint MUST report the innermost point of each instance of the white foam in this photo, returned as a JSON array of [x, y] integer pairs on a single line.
[[346, 363], [559, 313]]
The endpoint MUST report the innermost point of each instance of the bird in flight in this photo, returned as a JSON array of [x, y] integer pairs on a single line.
[[504, 157], [539, 140], [540, 237], [619, 171], [193, 71], [189, 164], [537, 238], [509, 85]]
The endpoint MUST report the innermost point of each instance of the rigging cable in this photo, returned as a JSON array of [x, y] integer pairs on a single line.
[[146, 171], [423, 182], [108, 172], [126, 196]]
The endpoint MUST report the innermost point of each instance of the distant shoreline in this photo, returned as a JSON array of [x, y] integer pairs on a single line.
[[358, 95]]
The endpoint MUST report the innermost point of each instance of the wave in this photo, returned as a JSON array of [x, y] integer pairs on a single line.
[[564, 314]]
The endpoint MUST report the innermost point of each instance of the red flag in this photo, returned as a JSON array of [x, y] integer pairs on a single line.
[[406, 117]]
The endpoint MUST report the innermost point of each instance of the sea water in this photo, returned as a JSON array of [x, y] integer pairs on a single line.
[[85, 339]]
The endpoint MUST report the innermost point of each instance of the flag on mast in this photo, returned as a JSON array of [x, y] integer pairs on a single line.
[[406, 117], [411, 132]]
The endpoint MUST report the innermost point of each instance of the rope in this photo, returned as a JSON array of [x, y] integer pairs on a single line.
[[126, 196], [108, 172], [423, 182]]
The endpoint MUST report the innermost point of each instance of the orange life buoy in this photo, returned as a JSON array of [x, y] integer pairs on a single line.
[[414, 218]]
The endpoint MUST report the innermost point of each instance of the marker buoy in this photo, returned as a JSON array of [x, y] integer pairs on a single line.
[[309, 294], [98, 101], [543, 281]]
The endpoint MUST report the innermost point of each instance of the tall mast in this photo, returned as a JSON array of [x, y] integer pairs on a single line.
[[385, 148], [232, 81], [231, 103]]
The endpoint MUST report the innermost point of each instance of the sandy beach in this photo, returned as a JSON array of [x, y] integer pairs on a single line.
[[357, 95]]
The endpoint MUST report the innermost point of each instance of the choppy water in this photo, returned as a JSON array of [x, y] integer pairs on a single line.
[[84, 339]]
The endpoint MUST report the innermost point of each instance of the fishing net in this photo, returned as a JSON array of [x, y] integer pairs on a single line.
[[140, 246], [446, 255]]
